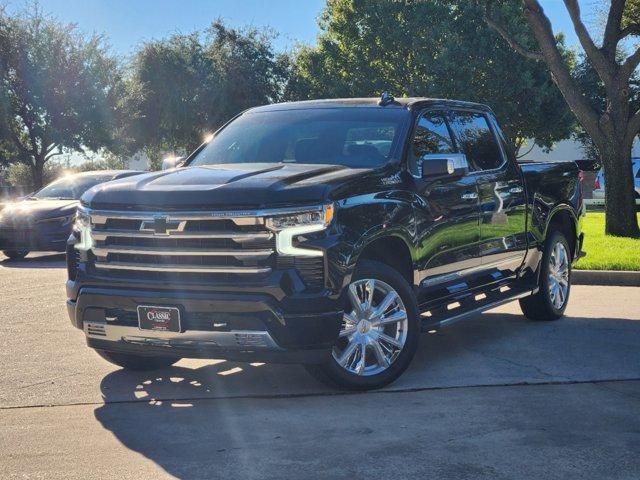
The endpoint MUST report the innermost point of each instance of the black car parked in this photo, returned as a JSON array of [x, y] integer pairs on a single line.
[[328, 233], [42, 221]]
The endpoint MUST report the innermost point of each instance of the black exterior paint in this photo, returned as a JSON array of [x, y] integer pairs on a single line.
[[455, 246]]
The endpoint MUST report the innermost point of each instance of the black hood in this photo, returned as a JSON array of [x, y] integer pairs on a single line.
[[38, 209], [249, 185]]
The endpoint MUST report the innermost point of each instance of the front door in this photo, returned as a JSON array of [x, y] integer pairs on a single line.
[[447, 210]]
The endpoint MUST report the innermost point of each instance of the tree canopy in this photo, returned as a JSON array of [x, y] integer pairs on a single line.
[[439, 48], [191, 84], [58, 89]]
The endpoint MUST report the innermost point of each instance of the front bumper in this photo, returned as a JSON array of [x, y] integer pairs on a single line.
[[243, 327], [34, 238]]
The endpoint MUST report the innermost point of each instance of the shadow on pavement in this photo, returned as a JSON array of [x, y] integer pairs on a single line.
[[173, 424], [52, 260], [174, 421]]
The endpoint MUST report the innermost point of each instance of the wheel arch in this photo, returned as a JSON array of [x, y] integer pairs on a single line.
[[564, 219], [392, 250]]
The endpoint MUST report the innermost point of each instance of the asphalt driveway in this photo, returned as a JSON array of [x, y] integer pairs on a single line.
[[493, 397]]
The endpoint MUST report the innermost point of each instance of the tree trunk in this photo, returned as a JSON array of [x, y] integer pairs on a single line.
[[620, 206], [37, 174]]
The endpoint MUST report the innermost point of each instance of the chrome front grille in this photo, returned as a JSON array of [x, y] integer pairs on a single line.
[[180, 243]]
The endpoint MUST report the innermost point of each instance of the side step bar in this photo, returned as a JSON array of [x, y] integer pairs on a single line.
[[452, 312]]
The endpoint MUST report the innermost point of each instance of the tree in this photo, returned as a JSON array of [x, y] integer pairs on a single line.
[[58, 90], [191, 84], [593, 88], [440, 48], [20, 175], [174, 76], [614, 124], [249, 72]]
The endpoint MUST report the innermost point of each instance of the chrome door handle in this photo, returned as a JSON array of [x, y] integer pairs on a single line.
[[470, 196], [516, 190]]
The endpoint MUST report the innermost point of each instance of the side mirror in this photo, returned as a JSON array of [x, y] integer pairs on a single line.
[[171, 162], [444, 165]]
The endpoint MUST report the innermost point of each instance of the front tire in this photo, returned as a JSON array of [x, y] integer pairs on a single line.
[[379, 334], [129, 361], [16, 254], [550, 302]]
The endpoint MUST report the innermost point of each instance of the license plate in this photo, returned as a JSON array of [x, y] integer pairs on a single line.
[[162, 319]]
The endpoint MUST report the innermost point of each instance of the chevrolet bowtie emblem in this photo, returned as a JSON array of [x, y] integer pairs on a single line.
[[162, 226]]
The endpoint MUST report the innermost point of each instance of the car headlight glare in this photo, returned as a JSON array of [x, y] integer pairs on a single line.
[[63, 221]]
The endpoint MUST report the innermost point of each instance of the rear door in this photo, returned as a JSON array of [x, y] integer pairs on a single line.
[[501, 189], [447, 213]]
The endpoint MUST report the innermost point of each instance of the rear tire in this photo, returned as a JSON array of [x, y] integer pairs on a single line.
[[129, 361], [16, 254], [555, 276], [385, 326]]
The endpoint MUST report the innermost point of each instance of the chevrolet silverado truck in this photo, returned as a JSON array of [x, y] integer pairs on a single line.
[[328, 233]]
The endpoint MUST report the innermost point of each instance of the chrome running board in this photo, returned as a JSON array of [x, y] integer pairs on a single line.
[[469, 306]]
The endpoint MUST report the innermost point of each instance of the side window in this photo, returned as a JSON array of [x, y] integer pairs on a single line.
[[431, 136], [477, 141]]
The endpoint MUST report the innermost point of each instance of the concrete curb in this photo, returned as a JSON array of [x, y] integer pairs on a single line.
[[605, 277]]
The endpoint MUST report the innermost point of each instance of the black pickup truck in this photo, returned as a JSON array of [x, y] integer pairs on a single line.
[[328, 233]]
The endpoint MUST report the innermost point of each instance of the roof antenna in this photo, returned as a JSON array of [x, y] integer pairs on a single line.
[[385, 99]]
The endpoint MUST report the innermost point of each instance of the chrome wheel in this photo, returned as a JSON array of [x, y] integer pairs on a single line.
[[558, 275], [374, 328]]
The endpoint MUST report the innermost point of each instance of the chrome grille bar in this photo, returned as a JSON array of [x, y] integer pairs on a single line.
[[179, 268], [100, 218], [101, 235], [191, 252]]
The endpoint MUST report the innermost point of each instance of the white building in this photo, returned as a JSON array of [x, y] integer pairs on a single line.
[[562, 151], [138, 161]]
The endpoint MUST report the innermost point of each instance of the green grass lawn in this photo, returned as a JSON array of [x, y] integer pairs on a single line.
[[605, 252]]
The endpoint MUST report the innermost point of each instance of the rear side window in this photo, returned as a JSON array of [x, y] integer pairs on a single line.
[[431, 136], [477, 141]]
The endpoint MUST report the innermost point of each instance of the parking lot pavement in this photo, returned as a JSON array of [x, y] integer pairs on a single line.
[[493, 397]]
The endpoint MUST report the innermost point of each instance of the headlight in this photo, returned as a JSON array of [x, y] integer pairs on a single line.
[[82, 226], [320, 216], [289, 226]]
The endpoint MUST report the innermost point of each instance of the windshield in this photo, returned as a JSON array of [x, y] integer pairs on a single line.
[[70, 188], [353, 137]]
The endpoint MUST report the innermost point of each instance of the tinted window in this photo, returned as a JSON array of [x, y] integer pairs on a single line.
[[354, 137], [477, 141], [431, 136]]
